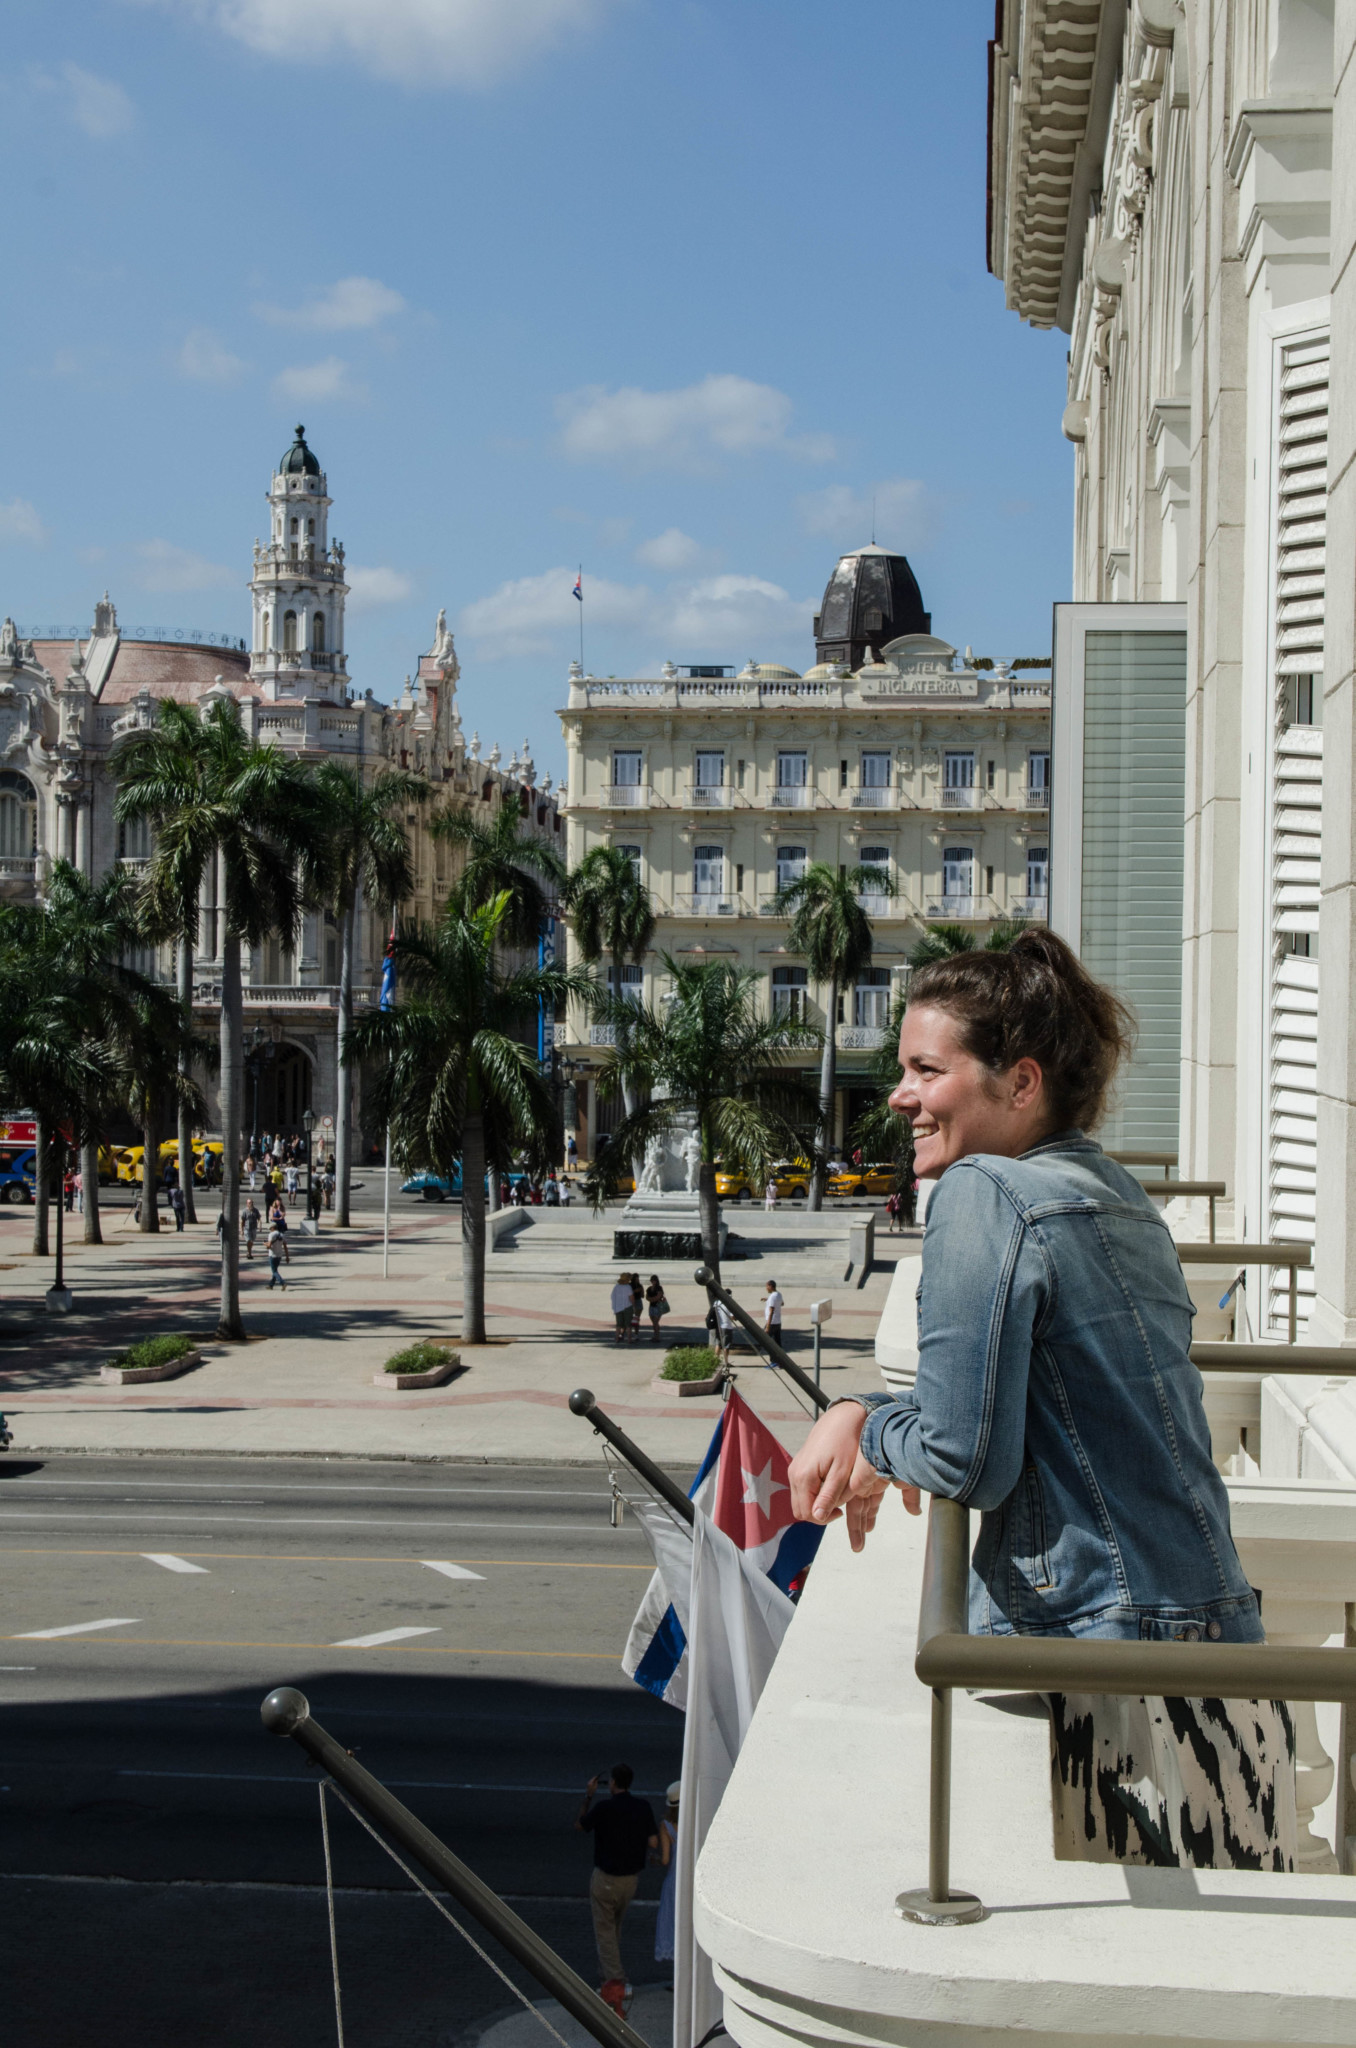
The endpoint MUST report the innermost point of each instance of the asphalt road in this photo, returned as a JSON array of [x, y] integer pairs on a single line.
[[161, 1866]]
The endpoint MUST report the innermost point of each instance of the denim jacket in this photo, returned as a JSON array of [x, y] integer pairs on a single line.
[[1056, 1393]]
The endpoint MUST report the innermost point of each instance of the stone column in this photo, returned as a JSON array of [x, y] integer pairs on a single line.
[[1334, 1314], [83, 834]]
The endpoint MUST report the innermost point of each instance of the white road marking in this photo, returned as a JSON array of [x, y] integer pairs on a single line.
[[268, 1486], [385, 1635], [167, 1514], [75, 1628], [18, 1667], [449, 1571], [172, 1563], [401, 1784]]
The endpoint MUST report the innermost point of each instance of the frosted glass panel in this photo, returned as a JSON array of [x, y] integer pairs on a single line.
[[1134, 746]]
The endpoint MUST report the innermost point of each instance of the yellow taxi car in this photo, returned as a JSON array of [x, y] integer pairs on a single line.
[[791, 1178], [128, 1158], [863, 1180]]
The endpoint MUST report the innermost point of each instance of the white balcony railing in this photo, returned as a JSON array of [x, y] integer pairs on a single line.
[[710, 796], [794, 797], [877, 904], [958, 908], [18, 866], [861, 1037], [626, 795], [1036, 799], [1029, 906], [875, 799], [767, 906], [961, 799], [706, 903], [602, 1034]]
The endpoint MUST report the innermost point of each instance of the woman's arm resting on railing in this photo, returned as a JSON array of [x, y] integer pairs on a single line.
[[830, 1477]]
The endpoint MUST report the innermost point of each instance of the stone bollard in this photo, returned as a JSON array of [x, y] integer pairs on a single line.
[[861, 1246]]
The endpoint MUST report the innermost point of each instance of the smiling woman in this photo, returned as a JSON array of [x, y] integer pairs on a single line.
[[1056, 1393]]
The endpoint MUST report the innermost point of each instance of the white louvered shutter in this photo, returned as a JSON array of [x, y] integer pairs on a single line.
[[1296, 807]]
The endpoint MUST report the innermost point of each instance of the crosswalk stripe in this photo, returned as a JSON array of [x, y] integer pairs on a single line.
[[449, 1570], [385, 1635], [74, 1628], [172, 1563]]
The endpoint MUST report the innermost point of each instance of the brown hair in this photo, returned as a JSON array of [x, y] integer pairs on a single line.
[[1035, 1001]]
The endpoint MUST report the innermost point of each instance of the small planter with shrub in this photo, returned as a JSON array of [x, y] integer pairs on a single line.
[[692, 1369], [419, 1365], [154, 1358]]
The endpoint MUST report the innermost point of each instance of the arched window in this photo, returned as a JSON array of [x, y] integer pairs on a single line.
[[296, 526], [310, 529], [289, 632], [877, 858], [18, 816], [318, 632], [708, 871], [871, 999], [135, 841], [958, 877], [268, 632]]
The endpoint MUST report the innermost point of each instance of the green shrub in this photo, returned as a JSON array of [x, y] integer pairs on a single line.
[[155, 1351], [689, 1362], [425, 1357]]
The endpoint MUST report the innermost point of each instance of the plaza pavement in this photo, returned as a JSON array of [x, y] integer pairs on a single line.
[[302, 1383]]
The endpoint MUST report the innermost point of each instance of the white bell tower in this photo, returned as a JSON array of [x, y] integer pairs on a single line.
[[299, 587]]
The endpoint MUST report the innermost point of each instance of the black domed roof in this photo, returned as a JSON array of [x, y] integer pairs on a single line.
[[299, 460], [872, 597]]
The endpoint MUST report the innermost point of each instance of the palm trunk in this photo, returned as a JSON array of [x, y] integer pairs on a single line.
[[622, 1037], [473, 1229], [343, 1140], [89, 1181], [185, 1128], [709, 1205], [42, 1189], [232, 1087], [150, 1174], [59, 1147], [828, 1088]]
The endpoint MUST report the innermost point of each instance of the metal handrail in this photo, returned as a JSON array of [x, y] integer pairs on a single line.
[[1164, 1159], [949, 1656], [704, 1277], [1321, 1361], [583, 1404], [1284, 1254], [287, 1712]]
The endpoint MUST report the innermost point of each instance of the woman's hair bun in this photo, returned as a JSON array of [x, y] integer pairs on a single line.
[[1036, 1000]]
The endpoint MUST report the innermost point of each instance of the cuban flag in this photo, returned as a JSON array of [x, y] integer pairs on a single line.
[[386, 1000], [579, 586], [743, 1486]]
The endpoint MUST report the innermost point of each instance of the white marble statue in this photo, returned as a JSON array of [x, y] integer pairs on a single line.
[[692, 1155], [652, 1173]]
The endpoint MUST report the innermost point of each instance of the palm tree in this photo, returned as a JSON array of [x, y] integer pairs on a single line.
[[455, 1081], [707, 1059], [942, 941], [880, 1131], [151, 1052], [502, 860], [253, 809], [611, 915], [832, 933], [362, 850]]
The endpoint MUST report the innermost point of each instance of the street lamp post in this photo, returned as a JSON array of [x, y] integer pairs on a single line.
[[254, 1060], [312, 1208]]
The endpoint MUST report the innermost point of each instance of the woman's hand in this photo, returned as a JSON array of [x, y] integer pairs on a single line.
[[822, 1469]]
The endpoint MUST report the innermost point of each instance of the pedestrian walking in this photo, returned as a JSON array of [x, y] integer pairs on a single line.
[[892, 1209], [80, 1194], [571, 1152], [179, 1205], [566, 1193], [624, 1833], [249, 1225], [277, 1252], [665, 1925], [552, 1193], [292, 1183], [621, 1308], [658, 1305], [770, 1194], [68, 1191], [637, 1306], [277, 1224], [721, 1324], [772, 1311], [250, 1169]]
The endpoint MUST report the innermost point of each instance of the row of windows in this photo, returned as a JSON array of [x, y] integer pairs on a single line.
[[790, 992], [959, 869], [875, 770], [18, 816], [291, 643]]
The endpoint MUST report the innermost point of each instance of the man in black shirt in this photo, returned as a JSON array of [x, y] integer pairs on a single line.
[[624, 1832]]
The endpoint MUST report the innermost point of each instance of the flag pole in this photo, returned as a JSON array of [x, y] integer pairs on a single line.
[[580, 589], [386, 1213]]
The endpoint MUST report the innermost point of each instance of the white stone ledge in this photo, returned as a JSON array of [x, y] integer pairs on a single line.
[[825, 1821]]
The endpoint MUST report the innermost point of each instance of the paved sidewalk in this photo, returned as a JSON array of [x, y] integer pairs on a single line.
[[302, 1384]]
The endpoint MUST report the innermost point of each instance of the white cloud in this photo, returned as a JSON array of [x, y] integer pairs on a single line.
[[207, 360], [898, 508], [167, 568], [735, 616], [671, 551], [20, 521], [723, 415], [307, 381], [416, 42], [352, 302], [97, 105], [371, 587]]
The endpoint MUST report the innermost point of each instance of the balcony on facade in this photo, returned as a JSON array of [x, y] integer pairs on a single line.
[[798, 796], [861, 1037], [1036, 798], [18, 867], [876, 799], [709, 796], [960, 909], [706, 903], [971, 799], [619, 796], [1029, 906]]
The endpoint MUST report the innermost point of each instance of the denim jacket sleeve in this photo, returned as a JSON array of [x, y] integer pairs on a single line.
[[961, 1432]]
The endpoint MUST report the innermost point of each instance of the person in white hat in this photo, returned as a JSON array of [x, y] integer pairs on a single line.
[[668, 1856]]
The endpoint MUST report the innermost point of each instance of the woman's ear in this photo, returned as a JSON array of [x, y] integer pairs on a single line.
[[1027, 1082]]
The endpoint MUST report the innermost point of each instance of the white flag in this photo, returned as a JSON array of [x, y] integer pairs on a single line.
[[734, 1628]]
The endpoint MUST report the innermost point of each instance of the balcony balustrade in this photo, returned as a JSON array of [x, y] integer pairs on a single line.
[[602, 1034], [706, 903], [1036, 799], [708, 796], [875, 799], [958, 909], [861, 1037], [960, 799], [626, 795], [19, 867], [794, 797], [1029, 906], [877, 904]]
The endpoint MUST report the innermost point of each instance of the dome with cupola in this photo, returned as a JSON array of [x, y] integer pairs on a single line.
[[871, 598], [299, 460]]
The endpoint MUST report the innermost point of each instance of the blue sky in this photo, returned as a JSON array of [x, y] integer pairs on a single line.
[[667, 287]]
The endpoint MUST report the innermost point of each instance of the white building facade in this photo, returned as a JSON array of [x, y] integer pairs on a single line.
[[911, 762]]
